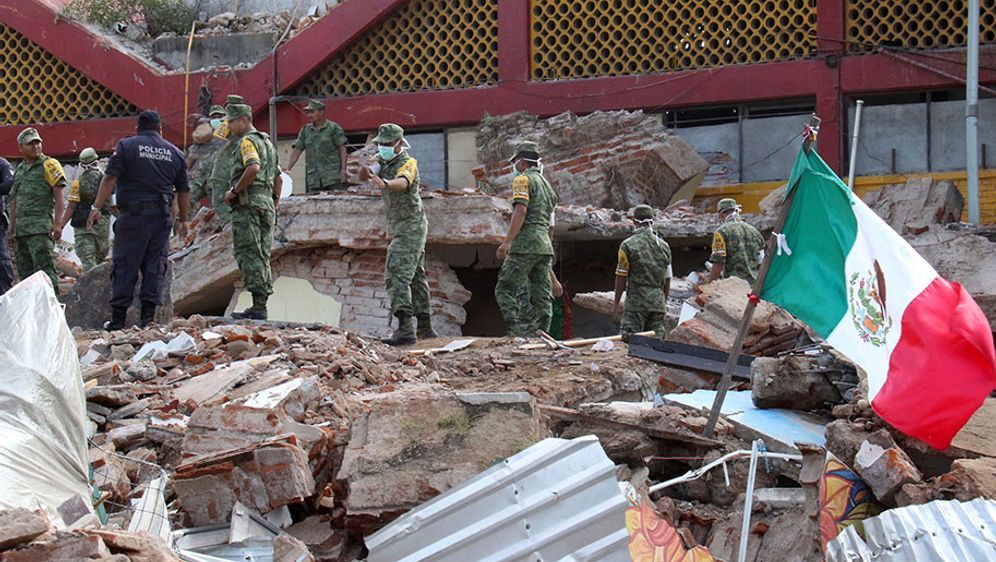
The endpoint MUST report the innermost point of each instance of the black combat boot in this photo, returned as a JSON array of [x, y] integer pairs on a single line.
[[148, 313], [255, 312], [118, 318], [425, 331], [405, 334]]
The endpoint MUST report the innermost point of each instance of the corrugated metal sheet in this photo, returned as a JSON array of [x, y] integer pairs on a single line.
[[556, 501], [939, 531]]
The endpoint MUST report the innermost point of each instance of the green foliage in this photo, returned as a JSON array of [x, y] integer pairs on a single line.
[[160, 16]]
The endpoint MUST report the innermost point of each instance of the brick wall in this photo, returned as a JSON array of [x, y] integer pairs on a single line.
[[355, 278]]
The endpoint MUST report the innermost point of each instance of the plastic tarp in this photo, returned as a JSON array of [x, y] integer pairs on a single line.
[[43, 449]]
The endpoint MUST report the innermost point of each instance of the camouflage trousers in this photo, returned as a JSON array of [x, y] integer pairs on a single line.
[[404, 277], [525, 274], [252, 237], [644, 310], [36, 252], [92, 245], [198, 192]]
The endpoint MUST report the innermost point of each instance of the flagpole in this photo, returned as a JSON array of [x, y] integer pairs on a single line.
[[769, 254]]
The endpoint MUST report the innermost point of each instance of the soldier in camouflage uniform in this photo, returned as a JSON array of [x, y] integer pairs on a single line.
[[256, 185], [200, 161], [219, 181], [527, 252], [36, 203], [736, 245], [325, 142], [92, 244], [644, 272], [398, 180]]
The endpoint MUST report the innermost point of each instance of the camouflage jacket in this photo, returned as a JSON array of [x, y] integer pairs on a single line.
[[532, 190], [83, 190], [737, 245], [406, 220], [206, 154], [645, 260], [323, 166], [32, 194], [255, 148]]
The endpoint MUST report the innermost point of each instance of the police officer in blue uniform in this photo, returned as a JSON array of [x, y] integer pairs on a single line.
[[145, 170], [6, 265]]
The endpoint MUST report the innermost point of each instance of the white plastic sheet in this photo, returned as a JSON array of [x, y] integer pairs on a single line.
[[43, 451]]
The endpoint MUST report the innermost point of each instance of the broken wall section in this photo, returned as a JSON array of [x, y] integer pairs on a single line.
[[616, 159]]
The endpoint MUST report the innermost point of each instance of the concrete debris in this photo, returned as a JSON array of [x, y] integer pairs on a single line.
[[790, 535], [911, 208], [612, 159], [884, 466], [20, 525], [90, 544], [86, 302], [966, 255], [802, 381], [722, 304]]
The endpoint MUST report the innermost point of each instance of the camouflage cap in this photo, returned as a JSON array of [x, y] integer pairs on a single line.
[[643, 212], [216, 110], [88, 156], [389, 133], [525, 147], [28, 136], [315, 105], [726, 204], [234, 98], [236, 110]]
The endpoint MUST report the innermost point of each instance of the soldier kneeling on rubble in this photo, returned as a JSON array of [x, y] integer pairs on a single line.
[[644, 272]]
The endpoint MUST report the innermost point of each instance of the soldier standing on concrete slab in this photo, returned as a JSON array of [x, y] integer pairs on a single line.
[[256, 185], [325, 142], [219, 181], [200, 161], [36, 204], [644, 272], [398, 180], [527, 252], [92, 244], [145, 169], [6, 265], [736, 245]]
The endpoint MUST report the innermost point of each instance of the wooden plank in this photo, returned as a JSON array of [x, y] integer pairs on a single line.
[[581, 343], [667, 435]]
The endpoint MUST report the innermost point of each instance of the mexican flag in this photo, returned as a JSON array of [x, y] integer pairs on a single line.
[[924, 343]]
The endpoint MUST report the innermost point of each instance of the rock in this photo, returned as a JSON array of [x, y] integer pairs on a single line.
[[796, 382], [20, 525], [418, 442], [961, 255], [844, 438], [87, 302], [286, 548], [144, 371], [611, 159], [263, 477], [123, 352], [240, 348], [913, 207], [63, 546], [110, 396], [884, 466], [138, 548], [968, 479]]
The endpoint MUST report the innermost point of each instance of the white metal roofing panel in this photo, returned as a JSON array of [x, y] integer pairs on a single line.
[[556, 501]]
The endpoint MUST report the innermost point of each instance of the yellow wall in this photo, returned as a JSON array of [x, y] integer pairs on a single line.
[[749, 195]]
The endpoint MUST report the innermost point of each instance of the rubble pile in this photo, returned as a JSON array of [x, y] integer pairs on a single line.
[[611, 159], [911, 208]]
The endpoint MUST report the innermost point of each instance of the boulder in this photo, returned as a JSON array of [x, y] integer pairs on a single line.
[[911, 208], [88, 302]]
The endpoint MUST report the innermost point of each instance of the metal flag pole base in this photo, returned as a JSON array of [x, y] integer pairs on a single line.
[[769, 254]]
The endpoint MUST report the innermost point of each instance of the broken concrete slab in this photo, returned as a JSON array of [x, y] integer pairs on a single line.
[[417, 442], [780, 429], [968, 479], [611, 159], [844, 438], [20, 525], [61, 546], [211, 385], [263, 476], [911, 208], [800, 382], [111, 397], [86, 302], [884, 466], [961, 254], [317, 533]]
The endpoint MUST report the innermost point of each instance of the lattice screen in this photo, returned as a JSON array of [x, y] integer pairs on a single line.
[[915, 24], [587, 38], [36, 87], [426, 45]]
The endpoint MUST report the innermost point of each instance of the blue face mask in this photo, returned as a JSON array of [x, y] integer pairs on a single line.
[[386, 153], [215, 123]]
